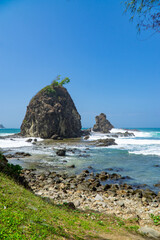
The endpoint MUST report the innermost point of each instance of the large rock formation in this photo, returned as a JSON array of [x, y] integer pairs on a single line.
[[50, 113], [1, 126], [102, 124]]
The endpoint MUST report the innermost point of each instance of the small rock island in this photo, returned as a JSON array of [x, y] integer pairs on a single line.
[[52, 113], [102, 124], [1, 126]]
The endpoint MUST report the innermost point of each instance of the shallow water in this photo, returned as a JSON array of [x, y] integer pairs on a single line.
[[137, 157]]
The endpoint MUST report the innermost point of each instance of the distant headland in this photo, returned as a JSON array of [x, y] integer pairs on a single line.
[[1, 126]]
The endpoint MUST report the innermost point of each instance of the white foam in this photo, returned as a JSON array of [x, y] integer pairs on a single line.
[[16, 142], [140, 143], [97, 135], [133, 141], [6, 134], [139, 146]]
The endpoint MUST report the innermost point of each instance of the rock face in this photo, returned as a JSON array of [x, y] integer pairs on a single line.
[[1, 126], [51, 112], [102, 124]]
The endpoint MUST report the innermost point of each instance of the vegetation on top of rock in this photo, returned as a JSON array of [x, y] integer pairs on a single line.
[[60, 82]]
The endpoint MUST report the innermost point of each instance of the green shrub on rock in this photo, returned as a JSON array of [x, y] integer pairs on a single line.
[[9, 169], [58, 82]]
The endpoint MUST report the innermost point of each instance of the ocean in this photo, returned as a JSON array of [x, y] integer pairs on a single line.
[[137, 157]]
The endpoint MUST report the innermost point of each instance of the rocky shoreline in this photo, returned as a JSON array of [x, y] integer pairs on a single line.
[[86, 191]]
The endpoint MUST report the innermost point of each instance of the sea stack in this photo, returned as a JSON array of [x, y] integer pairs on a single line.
[[51, 114], [102, 124], [1, 126]]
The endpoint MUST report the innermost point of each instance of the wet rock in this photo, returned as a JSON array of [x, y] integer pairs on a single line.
[[85, 171], [105, 142], [86, 137], [103, 176], [126, 177], [157, 185], [22, 154], [109, 169], [29, 140], [9, 155], [61, 152], [71, 166], [18, 155], [128, 134], [90, 167], [55, 137], [115, 176], [84, 156]]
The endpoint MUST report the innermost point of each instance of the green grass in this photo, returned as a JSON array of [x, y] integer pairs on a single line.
[[26, 216], [156, 219]]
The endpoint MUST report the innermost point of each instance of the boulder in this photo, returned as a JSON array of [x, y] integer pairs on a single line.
[[71, 166], [105, 142], [55, 137], [150, 232], [51, 112], [61, 152], [86, 137], [102, 124]]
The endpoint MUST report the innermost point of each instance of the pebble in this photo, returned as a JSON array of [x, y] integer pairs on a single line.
[[79, 191]]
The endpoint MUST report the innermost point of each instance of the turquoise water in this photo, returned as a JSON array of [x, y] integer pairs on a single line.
[[137, 157], [7, 131]]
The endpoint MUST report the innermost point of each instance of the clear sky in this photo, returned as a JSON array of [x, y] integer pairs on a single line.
[[112, 69]]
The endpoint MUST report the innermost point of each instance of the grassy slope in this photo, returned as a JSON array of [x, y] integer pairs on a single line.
[[26, 216]]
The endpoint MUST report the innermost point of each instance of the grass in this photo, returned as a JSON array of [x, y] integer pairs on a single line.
[[156, 219], [26, 216]]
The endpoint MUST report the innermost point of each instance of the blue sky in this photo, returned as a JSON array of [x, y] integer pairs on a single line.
[[112, 69]]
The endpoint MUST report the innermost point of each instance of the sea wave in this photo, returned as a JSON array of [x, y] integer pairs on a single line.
[[142, 142], [16, 142]]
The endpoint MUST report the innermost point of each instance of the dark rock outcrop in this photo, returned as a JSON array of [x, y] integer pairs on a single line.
[[1, 126], [51, 112], [3, 161], [102, 124], [61, 152], [105, 142]]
